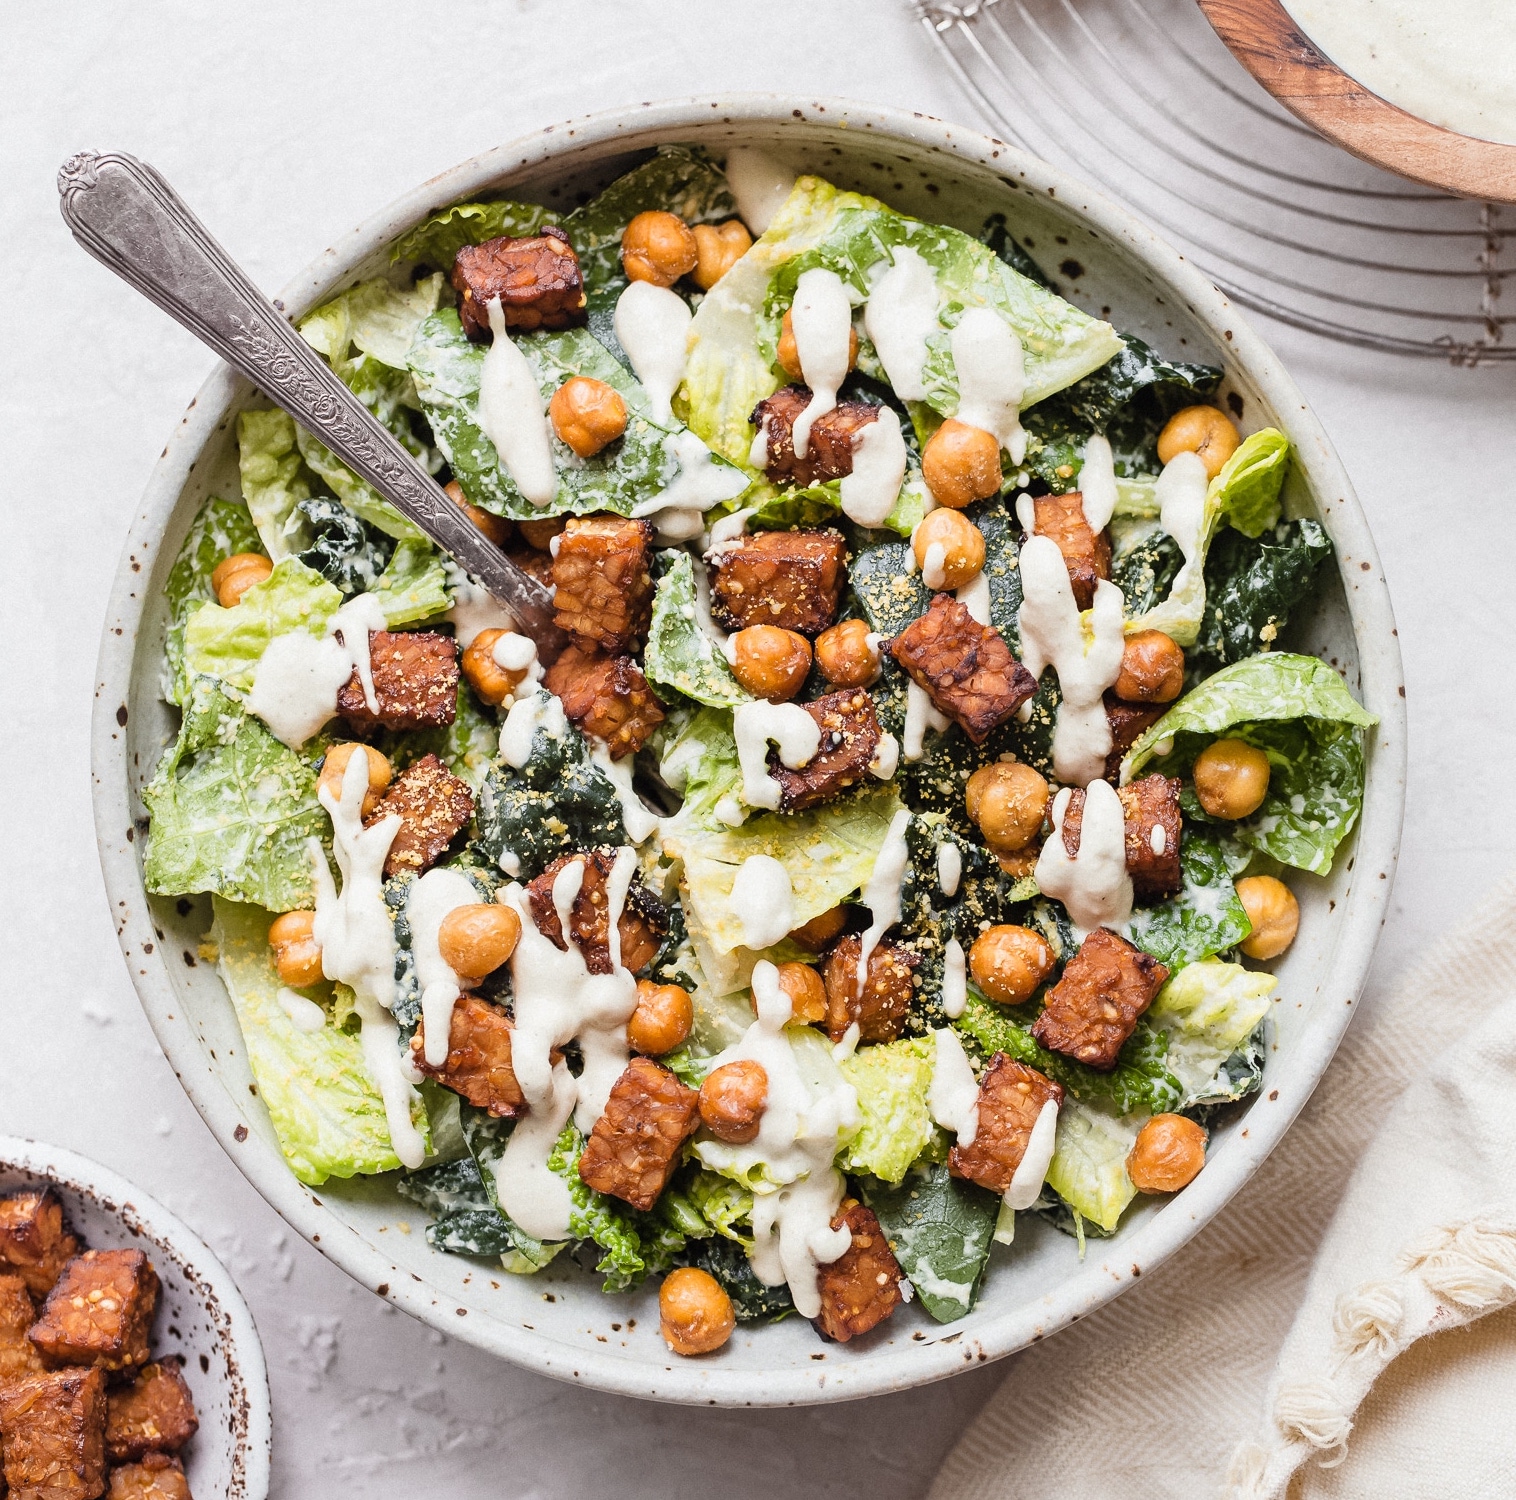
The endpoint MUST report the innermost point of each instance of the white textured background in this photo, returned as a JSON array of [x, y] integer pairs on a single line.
[[284, 124]]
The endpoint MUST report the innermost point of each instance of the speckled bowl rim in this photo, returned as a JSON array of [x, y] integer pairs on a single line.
[[983, 1336], [251, 1435]]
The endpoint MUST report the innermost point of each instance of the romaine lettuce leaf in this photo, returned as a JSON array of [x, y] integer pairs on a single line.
[[436, 241], [721, 1203], [274, 481], [733, 337], [681, 656], [357, 494], [231, 810], [941, 1229], [327, 1113], [447, 369], [413, 586], [1299, 712], [1204, 917], [222, 529], [892, 1083], [1245, 495], [1089, 1160], [1208, 1010]]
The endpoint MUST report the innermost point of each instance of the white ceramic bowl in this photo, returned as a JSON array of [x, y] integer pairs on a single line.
[[201, 1314], [558, 1322]]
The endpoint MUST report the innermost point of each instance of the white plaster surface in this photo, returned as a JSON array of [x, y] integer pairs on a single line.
[[284, 124]]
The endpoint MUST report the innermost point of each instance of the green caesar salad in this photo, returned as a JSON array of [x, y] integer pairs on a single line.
[[893, 848]]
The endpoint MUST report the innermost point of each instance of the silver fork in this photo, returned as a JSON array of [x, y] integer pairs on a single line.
[[128, 217]]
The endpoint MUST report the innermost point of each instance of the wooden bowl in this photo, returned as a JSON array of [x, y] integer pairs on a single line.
[[1267, 42]]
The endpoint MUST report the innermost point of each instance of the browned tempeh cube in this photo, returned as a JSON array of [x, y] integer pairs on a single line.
[[434, 806], [606, 696], [964, 667], [1086, 553], [880, 1011], [792, 579], [603, 589], [35, 1241], [1128, 723], [634, 1147], [641, 927], [536, 277], [861, 1288], [478, 1065], [100, 1312], [154, 1414], [530, 560], [849, 737], [159, 1476], [829, 451], [52, 1431], [18, 1355], [415, 682], [1011, 1096], [1094, 1007], [1150, 814]]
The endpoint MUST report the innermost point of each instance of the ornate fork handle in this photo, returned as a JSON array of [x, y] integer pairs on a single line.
[[131, 220]]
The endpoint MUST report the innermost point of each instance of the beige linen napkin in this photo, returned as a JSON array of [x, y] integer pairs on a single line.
[[1286, 1351]]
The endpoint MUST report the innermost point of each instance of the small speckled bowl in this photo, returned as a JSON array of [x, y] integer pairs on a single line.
[[558, 1322], [201, 1315]]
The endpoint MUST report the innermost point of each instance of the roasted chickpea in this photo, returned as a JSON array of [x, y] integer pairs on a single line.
[[694, 1312], [806, 991], [771, 663], [1008, 801], [1152, 668], [1209, 434], [492, 682], [476, 940], [1167, 1155], [1008, 963], [1231, 778], [1274, 912], [788, 352], [949, 549], [334, 769], [961, 464], [662, 1019], [819, 931], [496, 528], [297, 954], [587, 414], [732, 1101], [658, 247], [237, 574], [718, 247], [539, 534], [846, 656]]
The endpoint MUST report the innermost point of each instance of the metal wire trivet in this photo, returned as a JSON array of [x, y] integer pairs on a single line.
[[1143, 97]]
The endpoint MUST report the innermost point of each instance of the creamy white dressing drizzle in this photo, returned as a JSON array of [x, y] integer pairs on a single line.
[[882, 893], [953, 1095], [886, 759], [300, 1010], [955, 990], [1158, 840], [427, 904], [847, 1045], [821, 317], [933, 567], [475, 609], [991, 369], [299, 675], [974, 596], [803, 1123], [1026, 1182], [539, 710], [558, 1000], [357, 941], [652, 326], [730, 528], [1094, 885], [901, 315], [949, 868], [1181, 492], [639, 820], [1087, 662], [788, 726], [759, 185], [514, 653], [512, 415], [764, 901], [678, 509], [1097, 483], [869, 493], [921, 714]]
